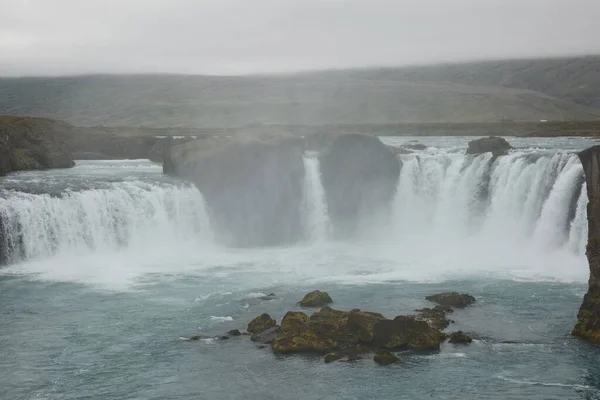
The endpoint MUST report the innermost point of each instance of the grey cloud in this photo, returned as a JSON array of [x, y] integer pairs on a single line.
[[247, 36]]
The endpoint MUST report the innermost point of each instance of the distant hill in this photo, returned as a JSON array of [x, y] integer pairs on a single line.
[[522, 90]]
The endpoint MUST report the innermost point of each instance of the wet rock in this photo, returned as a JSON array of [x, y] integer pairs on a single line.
[[262, 346], [234, 332], [361, 323], [414, 145], [198, 337], [385, 358], [406, 332], [452, 299], [224, 338], [331, 357], [315, 299], [270, 296], [588, 317], [498, 146], [266, 336], [261, 324], [436, 316], [327, 313], [459, 338], [316, 337], [359, 174], [294, 321]]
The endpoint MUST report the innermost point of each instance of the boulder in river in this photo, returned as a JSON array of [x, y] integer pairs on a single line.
[[496, 145], [261, 324], [452, 299], [459, 338], [315, 298], [385, 358]]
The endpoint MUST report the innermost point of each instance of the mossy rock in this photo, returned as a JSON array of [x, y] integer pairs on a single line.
[[460, 338], [316, 337], [361, 323], [294, 321], [23, 159], [328, 313], [385, 358], [452, 299], [261, 324], [588, 318], [406, 332], [316, 299], [436, 316]]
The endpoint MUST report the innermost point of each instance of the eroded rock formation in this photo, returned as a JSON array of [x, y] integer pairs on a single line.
[[588, 318], [360, 177], [498, 146]]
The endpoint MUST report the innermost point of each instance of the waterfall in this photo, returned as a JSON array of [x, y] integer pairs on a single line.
[[527, 198], [127, 214], [316, 219]]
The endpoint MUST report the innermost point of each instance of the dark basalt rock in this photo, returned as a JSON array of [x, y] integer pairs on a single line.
[[496, 145], [331, 357], [315, 299], [360, 176], [261, 324], [361, 323], [460, 338], [385, 358], [234, 332], [406, 332], [436, 316], [588, 318], [452, 299]]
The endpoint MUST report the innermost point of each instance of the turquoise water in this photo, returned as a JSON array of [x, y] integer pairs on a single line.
[[98, 307]]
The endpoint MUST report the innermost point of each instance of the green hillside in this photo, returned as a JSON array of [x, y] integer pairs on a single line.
[[525, 90]]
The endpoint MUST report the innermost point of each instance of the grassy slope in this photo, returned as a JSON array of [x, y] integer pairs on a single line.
[[565, 89]]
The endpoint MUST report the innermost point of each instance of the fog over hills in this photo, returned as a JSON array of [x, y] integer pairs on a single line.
[[519, 90]]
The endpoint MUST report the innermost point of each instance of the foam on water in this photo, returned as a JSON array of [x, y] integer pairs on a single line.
[[522, 217]]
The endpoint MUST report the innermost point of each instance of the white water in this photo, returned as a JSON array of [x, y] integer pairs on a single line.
[[316, 219], [130, 214], [453, 217]]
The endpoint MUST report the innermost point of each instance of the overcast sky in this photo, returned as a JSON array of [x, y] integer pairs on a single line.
[[59, 37]]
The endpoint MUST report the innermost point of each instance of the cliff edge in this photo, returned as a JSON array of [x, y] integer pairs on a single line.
[[588, 318]]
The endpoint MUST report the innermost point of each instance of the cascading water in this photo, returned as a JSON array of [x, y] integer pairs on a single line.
[[128, 214], [316, 221], [528, 199]]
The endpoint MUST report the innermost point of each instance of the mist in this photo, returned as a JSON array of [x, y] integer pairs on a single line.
[[231, 37]]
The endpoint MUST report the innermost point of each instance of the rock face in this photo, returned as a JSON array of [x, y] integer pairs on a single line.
[[588, 318], [498, 146], [315, 298], [452, 299], [360, 176], [33, 143], [253, 187]]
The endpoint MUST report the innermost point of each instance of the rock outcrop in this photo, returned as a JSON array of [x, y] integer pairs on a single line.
[[315, 298], [33, 143], [385, 358], [459, 338], [496, 145], [253, 186], [360, 176], [588, 318], [452, 299]]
